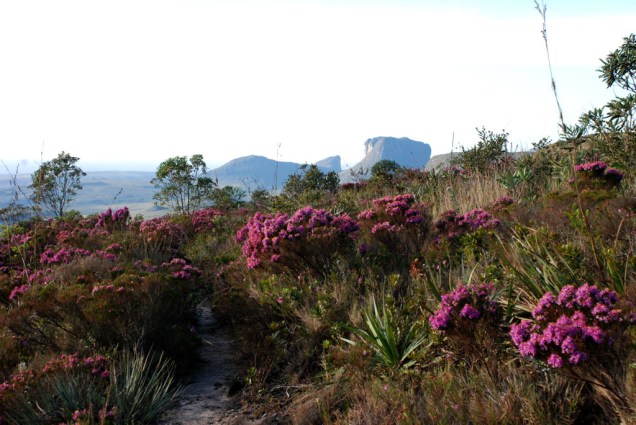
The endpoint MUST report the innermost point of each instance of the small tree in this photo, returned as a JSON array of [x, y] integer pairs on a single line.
[[385, 170], [311, 179], [619, 67], [490, 151], [182, 184], [228, 197], [55, 183]]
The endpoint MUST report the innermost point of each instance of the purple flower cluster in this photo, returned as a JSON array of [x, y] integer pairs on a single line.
[[204, 219], [596, 167], [464, 304], [63, 256], [180, 269], [117, 220], [162, 232], [392, 214], [502, 202], [19, 290], [265, 234], [597, 174], [569, 328], [452, 225]]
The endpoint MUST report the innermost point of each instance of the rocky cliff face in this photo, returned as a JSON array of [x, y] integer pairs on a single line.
[[406, 152]]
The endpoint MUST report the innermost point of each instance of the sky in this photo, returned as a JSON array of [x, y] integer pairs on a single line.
[[126, 84]]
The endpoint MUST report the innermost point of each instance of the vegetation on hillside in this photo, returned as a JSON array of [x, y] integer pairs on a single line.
[[496, 290]]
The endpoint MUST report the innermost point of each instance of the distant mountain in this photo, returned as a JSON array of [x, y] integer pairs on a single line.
[[404, 151], [252, 172]]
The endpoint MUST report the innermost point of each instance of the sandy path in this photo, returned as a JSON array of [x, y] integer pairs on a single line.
[[205, 400]]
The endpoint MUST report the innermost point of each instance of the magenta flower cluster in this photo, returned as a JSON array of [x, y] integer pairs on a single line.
[[117, 220], [391, 214], [452, 225], [204, 219], [264, 234], [568, 329], [98, 366], [502, 202], [463, 305], [597, 174], [596, 167], [162, 230], [63, 256], [19, 290], [180, 269]]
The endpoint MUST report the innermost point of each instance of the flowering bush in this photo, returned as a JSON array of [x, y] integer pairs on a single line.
[[452, 226], [310, 235], [63, 256], [573, 327], [204, 219], [596, 175], [179, 269], [395, 227], [162, 236], [465, 305], [112, 221]]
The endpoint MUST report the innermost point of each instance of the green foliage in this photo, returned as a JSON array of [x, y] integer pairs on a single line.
[[310, 184], [392, 345], [55, 183], [619, 67], [490, 151], [143, 387], [228, 197], [182, 184], [385, 170], [15, 213]]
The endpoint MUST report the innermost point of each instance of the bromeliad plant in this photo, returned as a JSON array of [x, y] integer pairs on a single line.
[[392, 345]]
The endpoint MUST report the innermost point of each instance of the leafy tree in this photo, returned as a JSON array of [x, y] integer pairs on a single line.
[[311, 180], [385, 170], [490, 150], [182, 184], [55, 183], [619, 67], [611, 129], [228, 197]]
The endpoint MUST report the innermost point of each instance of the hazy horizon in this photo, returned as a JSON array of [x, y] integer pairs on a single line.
[[296, 81]]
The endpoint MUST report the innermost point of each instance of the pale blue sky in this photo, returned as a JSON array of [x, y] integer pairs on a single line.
[[131, 81]]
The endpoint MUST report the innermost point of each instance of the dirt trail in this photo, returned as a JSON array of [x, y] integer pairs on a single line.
[[205, 400]]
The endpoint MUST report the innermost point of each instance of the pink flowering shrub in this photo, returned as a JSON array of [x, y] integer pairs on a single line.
[[162, 237], [460, 309], [469, 319], [452, 226], [574, 327], [597, 175], [111, 221], [63, 256], [179, 269], [204, 219], [310, 237], [394, 230]]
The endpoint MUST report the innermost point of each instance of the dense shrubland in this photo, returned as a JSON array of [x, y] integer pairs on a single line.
[[499, 289]]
